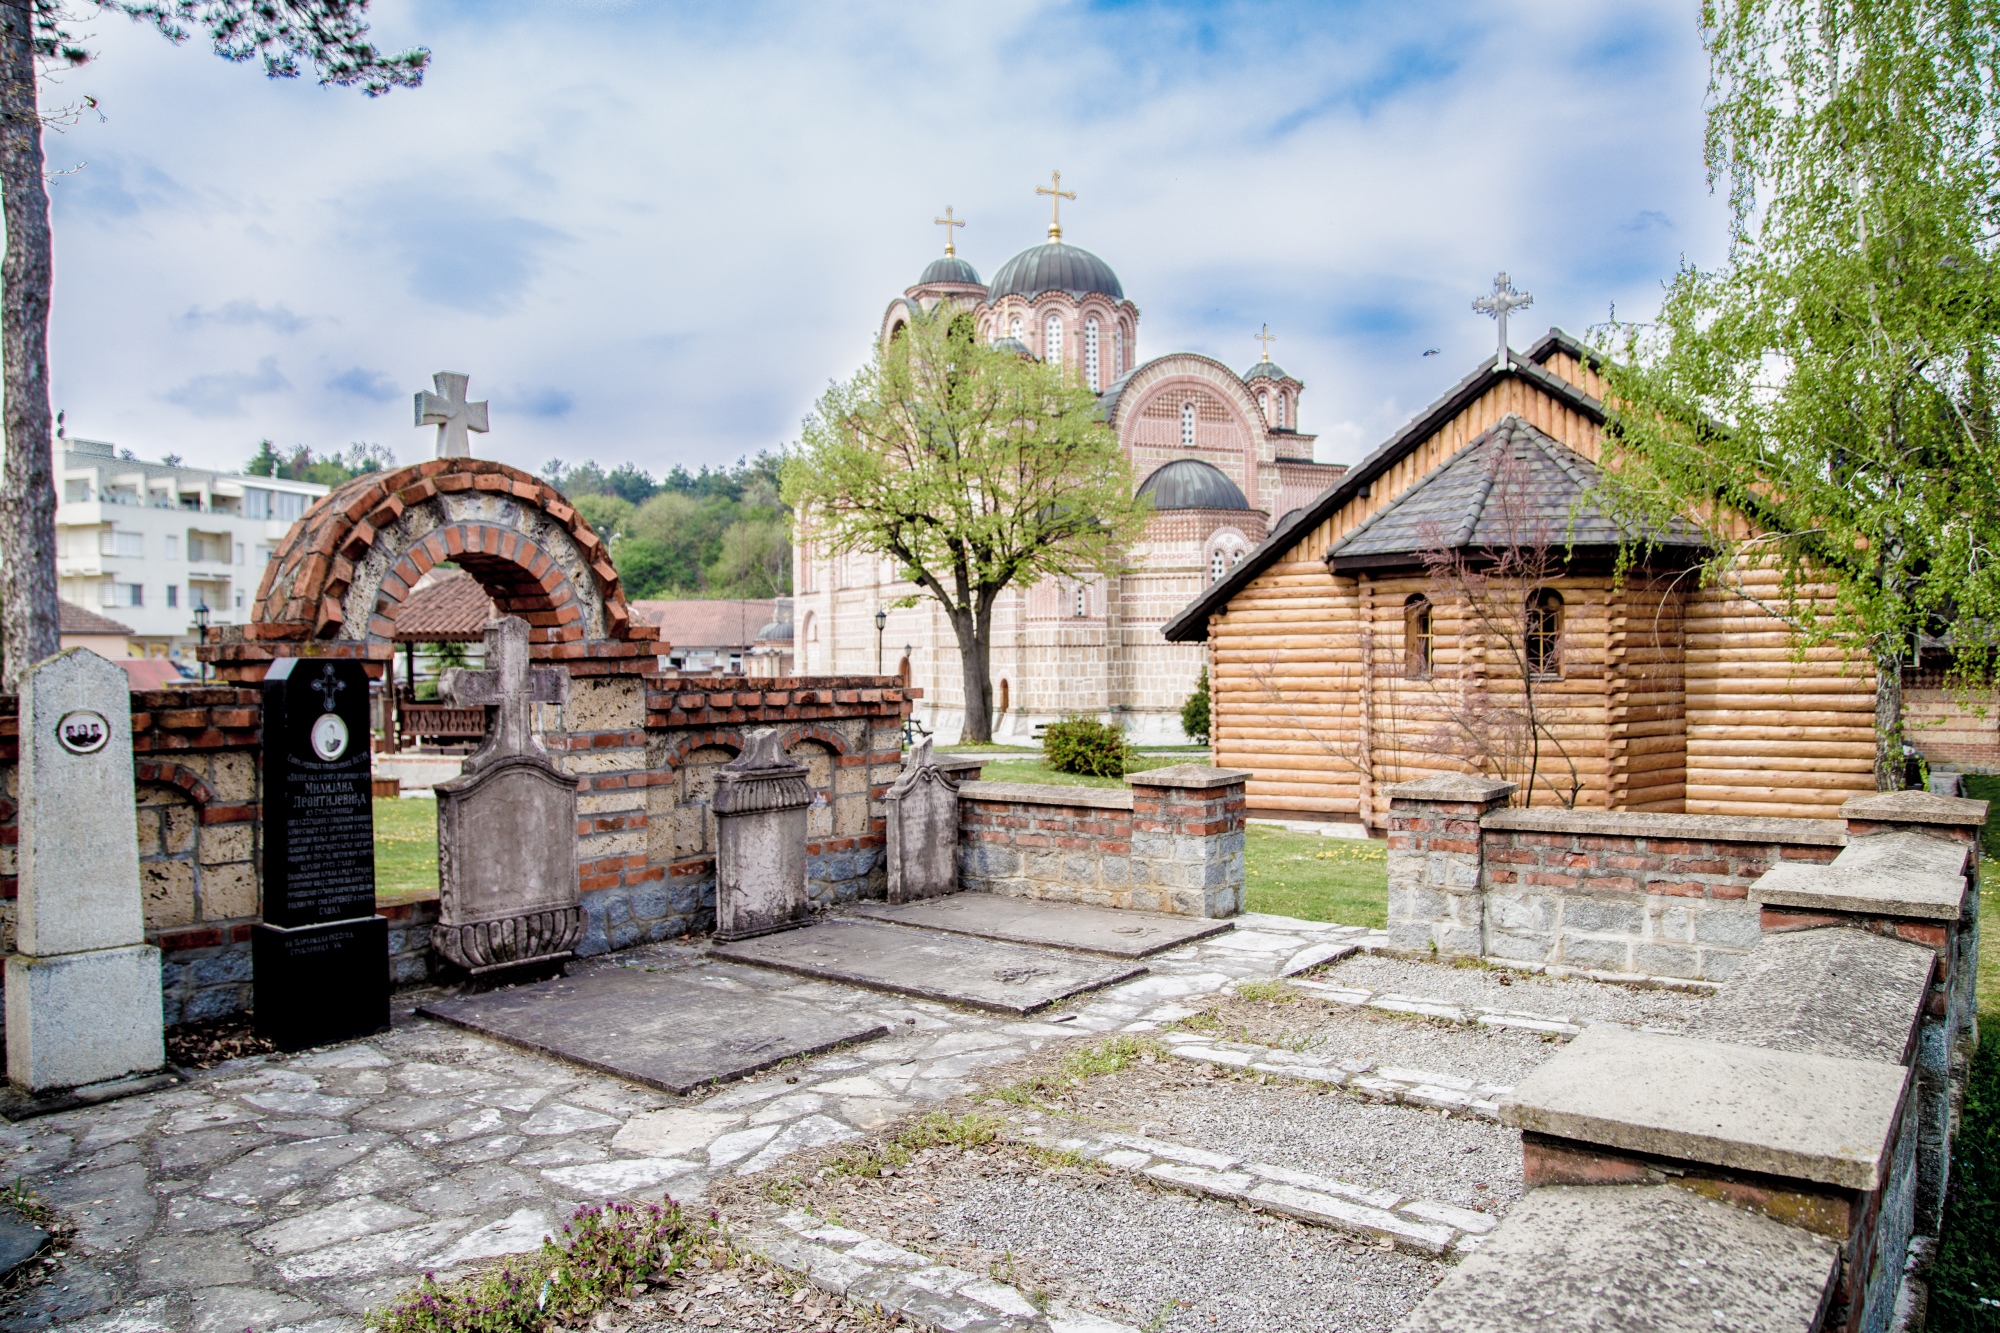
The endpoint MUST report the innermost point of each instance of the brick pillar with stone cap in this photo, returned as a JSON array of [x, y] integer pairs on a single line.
[[1187, 840], [1436, 892], [1954, 817]]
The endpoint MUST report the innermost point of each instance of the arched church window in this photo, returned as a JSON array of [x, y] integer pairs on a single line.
[[1082, 601], [1014, 329], [1218, 565], [1052, 338], [1264, 405], [1281, 412], [1090, 356], [1187, 425], [1417, 637], [1117, 353]]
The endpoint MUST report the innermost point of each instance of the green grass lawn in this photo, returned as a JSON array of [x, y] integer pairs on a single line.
[[406, 850], [1037, 770], [1316, 879]]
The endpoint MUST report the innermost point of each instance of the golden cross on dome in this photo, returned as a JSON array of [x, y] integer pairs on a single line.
[[1267, 338], [1056, 194], [948, 222]]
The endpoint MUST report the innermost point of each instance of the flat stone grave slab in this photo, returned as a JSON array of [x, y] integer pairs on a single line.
[[995, 916], [933, 965], [663, 1029]]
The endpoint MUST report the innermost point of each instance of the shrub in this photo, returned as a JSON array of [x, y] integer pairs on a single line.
[[604, 1253], [1194, 713], [1084, 745]]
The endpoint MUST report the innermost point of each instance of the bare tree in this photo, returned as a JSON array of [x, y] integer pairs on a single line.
[[1496, 712]]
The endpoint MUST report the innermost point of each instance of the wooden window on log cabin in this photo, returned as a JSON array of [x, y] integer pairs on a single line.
[[1417, 637], [1544, 634]]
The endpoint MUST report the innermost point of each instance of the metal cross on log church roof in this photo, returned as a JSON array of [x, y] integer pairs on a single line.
[[451, 414], [512, 685], [1503, 299]]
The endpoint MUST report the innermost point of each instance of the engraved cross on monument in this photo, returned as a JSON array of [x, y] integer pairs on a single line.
[[448, 410], [507, 874], [1503, 299]]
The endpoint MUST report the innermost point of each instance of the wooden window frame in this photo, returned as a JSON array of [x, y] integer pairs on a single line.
[[1419, 637], [1542, 633]]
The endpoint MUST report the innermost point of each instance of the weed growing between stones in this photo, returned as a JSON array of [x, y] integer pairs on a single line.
[[932, 1130], [604, 1254], [1267, 991], [1106, 1057]]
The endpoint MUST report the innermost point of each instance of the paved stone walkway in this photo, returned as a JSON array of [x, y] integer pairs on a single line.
[[299, 1192]]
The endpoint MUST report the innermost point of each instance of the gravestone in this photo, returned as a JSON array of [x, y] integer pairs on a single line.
[[321, 954], [923, 829], [507, 826], [83, 987], [760, 805]]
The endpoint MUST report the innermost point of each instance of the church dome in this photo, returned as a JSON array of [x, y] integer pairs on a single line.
[[949, 268], [1189, 483], [1055, 267], [1265, 370]]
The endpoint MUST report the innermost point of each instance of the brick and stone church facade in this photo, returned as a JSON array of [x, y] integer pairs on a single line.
[[1219, 452]]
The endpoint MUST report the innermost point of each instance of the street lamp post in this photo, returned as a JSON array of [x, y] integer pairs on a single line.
[[881, 623], [201, 626]]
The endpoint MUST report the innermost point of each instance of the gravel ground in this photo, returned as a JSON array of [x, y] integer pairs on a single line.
[[1572, 999], [1471, 1163], [745, 1298], [1165, 1261], [1337, 1032]]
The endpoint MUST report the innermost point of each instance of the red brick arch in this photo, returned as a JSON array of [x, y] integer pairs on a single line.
[[342, 574], [826, 736]]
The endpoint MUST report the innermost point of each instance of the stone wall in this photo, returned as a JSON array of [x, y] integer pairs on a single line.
[[1810, 1107], [1626, 894], [1171, 841]]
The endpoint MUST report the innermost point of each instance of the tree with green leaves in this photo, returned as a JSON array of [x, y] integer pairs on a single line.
[[975, 469], [287, 36], [1823, 401]]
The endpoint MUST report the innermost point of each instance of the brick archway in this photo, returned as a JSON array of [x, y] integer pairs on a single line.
[[344, 571]]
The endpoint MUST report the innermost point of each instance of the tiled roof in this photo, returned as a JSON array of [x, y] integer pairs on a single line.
[[707, 622], [1512, 486], [77, 620], [449, 607]]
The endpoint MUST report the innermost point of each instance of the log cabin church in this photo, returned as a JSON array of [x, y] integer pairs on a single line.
[[1346, 655]]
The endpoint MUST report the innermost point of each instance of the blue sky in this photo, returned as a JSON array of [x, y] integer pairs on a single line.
[[652, 233]]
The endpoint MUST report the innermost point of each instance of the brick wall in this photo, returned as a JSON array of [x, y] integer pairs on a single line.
[[1172, 841], [1626, 894]]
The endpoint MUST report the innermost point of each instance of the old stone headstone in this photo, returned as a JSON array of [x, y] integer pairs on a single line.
[[321, 954], [923, 829], [507, 827], [760, 805], [83, 987]]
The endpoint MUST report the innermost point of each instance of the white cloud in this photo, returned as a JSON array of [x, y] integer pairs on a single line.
[[652, 234]]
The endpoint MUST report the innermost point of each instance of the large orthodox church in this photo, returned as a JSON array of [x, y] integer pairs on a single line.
[[1219, 452]]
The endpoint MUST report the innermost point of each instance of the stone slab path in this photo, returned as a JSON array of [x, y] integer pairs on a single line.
[[298, 1192], [1006, 978]]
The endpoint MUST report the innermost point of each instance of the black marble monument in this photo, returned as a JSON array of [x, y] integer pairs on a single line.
[[321, 954]]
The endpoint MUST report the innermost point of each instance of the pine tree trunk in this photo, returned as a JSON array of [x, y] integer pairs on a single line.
[[29, 618], [973, 627]]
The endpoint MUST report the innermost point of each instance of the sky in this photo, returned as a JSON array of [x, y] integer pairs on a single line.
[[653, 233]]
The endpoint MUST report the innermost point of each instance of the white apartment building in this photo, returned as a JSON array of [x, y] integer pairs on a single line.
[[149, 543]]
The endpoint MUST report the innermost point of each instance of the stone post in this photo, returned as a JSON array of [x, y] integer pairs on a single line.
[[1953, 817], [1436, 894], [923, 829], [1187, 840], [83, 988], [760, 803]]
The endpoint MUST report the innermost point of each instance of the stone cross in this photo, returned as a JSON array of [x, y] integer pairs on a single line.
[[1503, 299], [510, 683], [451, 414]]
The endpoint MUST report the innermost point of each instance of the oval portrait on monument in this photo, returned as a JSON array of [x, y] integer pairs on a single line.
[[329, 737], [82, 731]]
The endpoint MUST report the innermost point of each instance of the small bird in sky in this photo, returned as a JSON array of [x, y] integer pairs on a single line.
[[1432, 352]]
